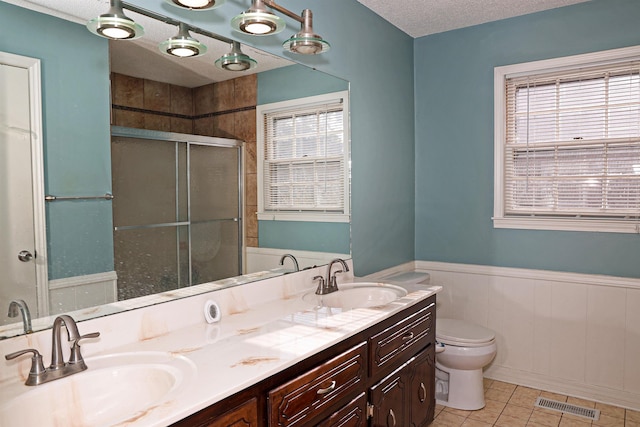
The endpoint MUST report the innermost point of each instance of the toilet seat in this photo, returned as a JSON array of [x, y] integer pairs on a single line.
[[463, 334]]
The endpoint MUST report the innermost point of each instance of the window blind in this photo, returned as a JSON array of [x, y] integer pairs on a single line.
[[304, 159], [573, 143]]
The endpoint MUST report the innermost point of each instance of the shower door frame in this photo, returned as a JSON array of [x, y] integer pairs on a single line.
[[189, 139]]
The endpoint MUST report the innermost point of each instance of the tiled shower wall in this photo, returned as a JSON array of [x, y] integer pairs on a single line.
[[575, 334], [226, 109]]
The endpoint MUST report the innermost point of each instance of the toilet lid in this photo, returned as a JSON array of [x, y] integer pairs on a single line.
[[462, 333]]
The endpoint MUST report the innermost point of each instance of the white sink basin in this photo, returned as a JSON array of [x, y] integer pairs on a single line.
[[114, 389], [357, 295]]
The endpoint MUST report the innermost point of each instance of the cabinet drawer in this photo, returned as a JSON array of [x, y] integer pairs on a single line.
[[354, 414], [411, 333], [313, 394]]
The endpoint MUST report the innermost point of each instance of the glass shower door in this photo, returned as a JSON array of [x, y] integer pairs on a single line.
[[214, 212], [176, 211]]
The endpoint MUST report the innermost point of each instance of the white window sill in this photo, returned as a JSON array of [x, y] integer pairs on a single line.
[[303, 216], [568, 224]]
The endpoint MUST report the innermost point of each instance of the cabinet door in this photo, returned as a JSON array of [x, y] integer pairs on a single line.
[[388, 400], [353, 414], [245, 415], [421, 392]]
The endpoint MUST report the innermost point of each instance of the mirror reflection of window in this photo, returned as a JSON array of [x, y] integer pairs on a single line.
[[303, 158]]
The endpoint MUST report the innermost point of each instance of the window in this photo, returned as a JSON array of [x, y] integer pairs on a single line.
[[567, 143], [303, 159]]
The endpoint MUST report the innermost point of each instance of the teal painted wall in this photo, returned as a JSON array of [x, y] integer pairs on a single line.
[[75, 90], [305, 236], [377, 59], [283, 84], [454, 140], [296, 81], [434, 203]]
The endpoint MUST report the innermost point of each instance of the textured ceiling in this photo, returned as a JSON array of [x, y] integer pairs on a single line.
[[423, 17], [141, 57]]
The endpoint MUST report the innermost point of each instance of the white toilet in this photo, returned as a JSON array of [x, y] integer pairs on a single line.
[[463, 350]]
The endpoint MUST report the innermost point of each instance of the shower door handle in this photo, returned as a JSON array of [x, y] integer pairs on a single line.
[[25, 256]]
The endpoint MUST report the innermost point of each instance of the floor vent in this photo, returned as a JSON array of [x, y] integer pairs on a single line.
[[567, 408]]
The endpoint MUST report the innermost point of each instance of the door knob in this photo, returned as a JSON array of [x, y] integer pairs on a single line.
[[25, 256]]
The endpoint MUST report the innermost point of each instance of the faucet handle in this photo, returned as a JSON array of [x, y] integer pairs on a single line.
[[333, 281], [320, 290], [89, 335], [37, 367], [76, 356]]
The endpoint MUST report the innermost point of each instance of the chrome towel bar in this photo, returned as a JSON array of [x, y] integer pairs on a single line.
[[106, 196]]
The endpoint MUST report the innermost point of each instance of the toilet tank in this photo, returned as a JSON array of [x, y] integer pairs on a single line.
[[408, 277]]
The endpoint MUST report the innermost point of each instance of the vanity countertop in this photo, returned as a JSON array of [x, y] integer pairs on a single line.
[[246, 347]]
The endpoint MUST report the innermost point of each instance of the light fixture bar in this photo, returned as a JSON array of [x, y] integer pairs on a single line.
[[172, 21], [273, 5]]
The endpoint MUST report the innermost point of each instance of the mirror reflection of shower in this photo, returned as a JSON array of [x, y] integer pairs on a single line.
[[177, 210]]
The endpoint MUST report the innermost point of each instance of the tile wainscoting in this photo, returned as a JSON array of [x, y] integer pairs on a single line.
[[575, 334]]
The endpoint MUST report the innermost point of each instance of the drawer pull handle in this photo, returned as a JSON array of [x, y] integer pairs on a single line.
[[408, 336], [423, 393], [328, 389], [393, 418]]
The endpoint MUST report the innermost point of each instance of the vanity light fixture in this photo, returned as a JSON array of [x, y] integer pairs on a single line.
[[182, 45], [306, 42], [115, 24], [257, 20], [236, 60], [196, 4]]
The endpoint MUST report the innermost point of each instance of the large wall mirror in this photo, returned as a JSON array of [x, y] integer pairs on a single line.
[[143, 166]]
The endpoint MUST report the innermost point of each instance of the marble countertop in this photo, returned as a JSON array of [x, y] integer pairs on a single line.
[[220, 359]]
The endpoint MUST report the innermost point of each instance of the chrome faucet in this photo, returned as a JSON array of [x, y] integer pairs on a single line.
[[58, 369], [330, 284], [18, 305], [57, 361], [295, 261]]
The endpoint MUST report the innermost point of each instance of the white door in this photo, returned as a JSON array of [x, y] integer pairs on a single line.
[[22, 256]]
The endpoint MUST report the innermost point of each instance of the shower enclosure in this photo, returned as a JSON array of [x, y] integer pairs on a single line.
[[177, 210]]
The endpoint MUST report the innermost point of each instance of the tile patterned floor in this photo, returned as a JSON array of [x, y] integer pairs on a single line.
[[510, 405]]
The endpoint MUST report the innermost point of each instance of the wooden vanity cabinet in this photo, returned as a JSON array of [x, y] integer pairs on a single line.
[[383, 376]]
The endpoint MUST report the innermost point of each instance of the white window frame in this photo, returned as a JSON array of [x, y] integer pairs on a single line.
[[302, 103], [500, 219]]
